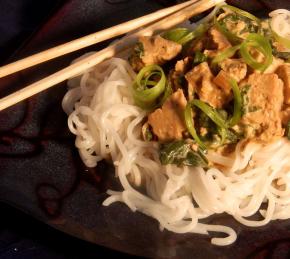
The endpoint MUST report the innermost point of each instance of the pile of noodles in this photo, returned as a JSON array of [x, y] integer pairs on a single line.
[[107, 125]]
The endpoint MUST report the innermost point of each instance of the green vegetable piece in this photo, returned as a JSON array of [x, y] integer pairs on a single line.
[[181, 153], [145, 90], [237, 103], [234, 39], [261, 44], [210, 112], [176, 34], [245, 99], [284, 41], [167, 92], [179, 35], [199, 57], [188, 117], [242, 13], [227, 53]]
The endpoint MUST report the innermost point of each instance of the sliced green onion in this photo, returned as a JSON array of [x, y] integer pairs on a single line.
[[223, 133], [234, 39], [284, 41], [242, 13], [210, 112], [199, 57], [145, 96], [167, 92], [227, 53], [179, 35], [176, 34], [190, 36], [183, 35], [237, 103], [197, 34], [261, 44], [188, 117], [200, 30]]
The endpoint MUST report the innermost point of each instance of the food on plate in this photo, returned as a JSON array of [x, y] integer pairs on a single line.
[[196, 122]]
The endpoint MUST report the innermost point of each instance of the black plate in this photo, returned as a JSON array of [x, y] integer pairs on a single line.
[[41, 173]]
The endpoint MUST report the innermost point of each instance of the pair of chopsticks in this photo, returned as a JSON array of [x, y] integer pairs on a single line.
[[158, 21]]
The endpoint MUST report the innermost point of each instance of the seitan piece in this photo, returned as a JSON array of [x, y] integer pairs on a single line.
[[200, 82], [218, 39], [235, 68], [284, 73], [167, 122], [262, 107], [158, 50], [176, 75]]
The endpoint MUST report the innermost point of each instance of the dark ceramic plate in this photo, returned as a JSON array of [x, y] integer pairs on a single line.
[[41, 173]]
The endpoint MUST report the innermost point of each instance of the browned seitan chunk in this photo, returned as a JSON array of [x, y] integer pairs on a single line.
[[167, 122], [284, 73], [158, 50], [235, 68], [200, 82], [176, 75], [237, 28], [263, 107], [219, 40], [231, 68], [222, 81], [183, 65]]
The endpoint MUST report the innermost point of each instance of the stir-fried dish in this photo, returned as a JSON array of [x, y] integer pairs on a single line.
[[227, 80], [200, 128]]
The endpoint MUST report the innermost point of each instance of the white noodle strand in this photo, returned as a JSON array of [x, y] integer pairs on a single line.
[[107, 125]]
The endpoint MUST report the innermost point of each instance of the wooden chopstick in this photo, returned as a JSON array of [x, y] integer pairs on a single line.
[[89, 40], [94, 59]]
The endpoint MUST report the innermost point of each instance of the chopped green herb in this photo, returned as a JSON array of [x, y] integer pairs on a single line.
[[232, 137], [245, 99], [223, 113], [199, 57], [283, 55], [148, 135], [181, 153], [147, 132]]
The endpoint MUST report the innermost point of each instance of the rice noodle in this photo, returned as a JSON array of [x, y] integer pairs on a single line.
[[107, 124]]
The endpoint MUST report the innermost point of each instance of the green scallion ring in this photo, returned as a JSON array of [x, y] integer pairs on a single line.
[[145, 96], [261, 44], [227, 53], [284, 41]]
